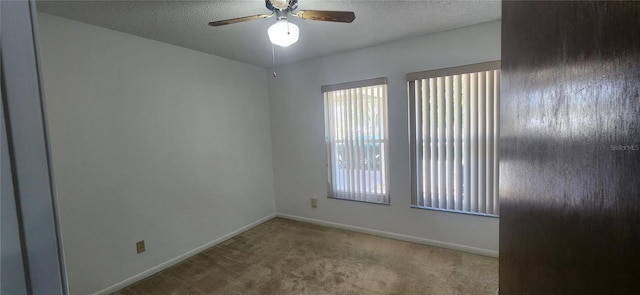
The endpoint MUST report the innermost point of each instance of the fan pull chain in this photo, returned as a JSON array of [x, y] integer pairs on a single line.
[[273, 55]]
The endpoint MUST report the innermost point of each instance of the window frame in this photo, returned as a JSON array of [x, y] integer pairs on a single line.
[[331, 193], [412, 79]]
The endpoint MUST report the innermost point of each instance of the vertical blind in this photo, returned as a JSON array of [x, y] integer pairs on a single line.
[[454, 134], [357, 140]]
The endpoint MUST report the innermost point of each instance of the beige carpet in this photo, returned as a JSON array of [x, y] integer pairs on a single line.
[[282, 256]]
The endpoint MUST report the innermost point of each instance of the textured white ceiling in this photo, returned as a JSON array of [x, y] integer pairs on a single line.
[[184, 23]]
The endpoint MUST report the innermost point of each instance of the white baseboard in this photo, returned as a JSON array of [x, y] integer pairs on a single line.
[[474, 250], [180, 258]]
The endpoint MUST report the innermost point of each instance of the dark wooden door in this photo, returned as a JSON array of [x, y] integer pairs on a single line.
[[570, 154]]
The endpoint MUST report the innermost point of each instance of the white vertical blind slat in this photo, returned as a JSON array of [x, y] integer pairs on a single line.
[[426, 144], [336, 99], [467, 142], [365, 142], [349, 144], [367, 139], [328, 137], [448, 122], [489, 143], [496, 145], [482, 139], [345, 142], [457, 172], [354, 145], [330, 103], [442, 170], [372, 123], [417, 112], [374, 149], [343, 136], [358, 145], [376, 135], [352, 155], [433, 142], [414, 141], [473, 165], [385, 139]]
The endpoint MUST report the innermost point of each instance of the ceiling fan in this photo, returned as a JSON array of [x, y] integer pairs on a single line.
[[283, 32]]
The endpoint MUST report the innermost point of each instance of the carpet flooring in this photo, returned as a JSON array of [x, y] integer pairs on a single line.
[[283, 256]]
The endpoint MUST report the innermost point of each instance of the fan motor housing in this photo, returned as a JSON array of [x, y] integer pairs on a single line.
[[292, 5]]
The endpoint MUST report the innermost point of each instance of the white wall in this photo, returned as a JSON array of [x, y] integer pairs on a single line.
[[298, 136], [150, 141]]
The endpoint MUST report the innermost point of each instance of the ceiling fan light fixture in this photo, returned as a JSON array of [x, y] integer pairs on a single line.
[[283, 33]]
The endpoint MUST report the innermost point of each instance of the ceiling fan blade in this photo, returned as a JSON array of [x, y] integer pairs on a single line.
[[239, 19], [325, 15]]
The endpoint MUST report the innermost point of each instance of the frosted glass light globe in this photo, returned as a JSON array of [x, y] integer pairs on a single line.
[[283, 33]]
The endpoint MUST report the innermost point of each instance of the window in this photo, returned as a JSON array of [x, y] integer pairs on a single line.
[[454, 134], [357, 140]]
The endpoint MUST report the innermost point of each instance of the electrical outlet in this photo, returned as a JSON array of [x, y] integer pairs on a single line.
[[314, 202], [140, 246]]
